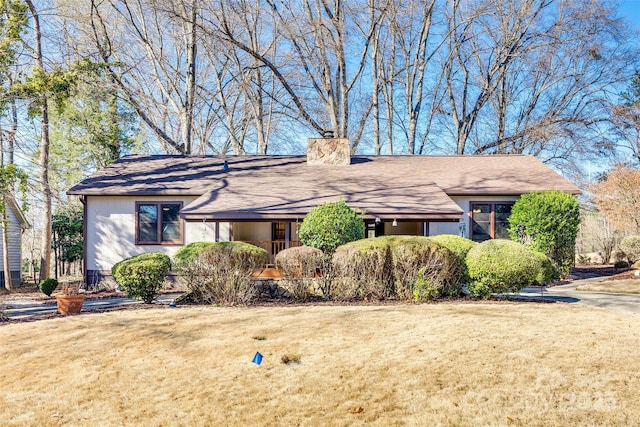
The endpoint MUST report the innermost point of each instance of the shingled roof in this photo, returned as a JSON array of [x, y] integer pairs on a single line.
[[253, 187]]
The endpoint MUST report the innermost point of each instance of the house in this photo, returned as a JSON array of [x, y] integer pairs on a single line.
[[17, 223], [160, 203]]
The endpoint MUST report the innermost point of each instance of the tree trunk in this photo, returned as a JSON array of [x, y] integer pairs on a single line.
[[45, 188]]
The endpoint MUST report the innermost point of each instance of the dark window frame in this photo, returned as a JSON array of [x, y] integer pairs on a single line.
[[492, 222], [159, 241]]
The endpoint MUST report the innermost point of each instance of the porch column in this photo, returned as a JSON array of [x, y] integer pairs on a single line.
[[217, 231], [287, 235], [425, 228]]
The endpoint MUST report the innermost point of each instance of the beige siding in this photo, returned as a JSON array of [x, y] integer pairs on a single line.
[[111, 229], [436, 228], [197, 231]]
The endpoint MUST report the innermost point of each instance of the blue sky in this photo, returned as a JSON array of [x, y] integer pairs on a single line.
[[630, 9]]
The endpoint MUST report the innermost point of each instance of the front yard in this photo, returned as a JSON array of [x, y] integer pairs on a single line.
[[430, 364]]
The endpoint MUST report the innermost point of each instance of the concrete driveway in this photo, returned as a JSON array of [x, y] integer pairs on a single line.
[[569, 294], [18, 309]]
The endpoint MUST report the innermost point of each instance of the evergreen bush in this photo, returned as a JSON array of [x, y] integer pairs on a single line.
[[496, 266], [142, 276], [330, 225], [47, 286], [548, 223]]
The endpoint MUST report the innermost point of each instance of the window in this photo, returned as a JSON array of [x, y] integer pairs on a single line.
[[490, 220], [158, 223]]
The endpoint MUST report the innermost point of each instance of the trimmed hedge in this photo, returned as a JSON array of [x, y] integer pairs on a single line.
[[407, 267], [363, 270], [460, 247], [330, 225], [496, 266], [221, 273], [142, 276], [191, 251]]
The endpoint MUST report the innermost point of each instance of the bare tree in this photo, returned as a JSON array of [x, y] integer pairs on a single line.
[[150, 51]]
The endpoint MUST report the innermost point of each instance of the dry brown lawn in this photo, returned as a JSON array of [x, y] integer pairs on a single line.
[[625, 286], [434, 364]]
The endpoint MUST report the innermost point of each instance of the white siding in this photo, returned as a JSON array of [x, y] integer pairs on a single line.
[[15, 242], [436, 228], [111, 229]]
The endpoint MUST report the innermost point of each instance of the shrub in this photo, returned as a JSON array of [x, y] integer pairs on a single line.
[[621, 264], [548, 223], [47, 286], [549, 272], [409, 267], [223, 272], [584, 259], [502, 266], [330, 225], [440, 266], [190, 251], [300, 265], [458, 245], [363, 270], [631, 246], [142, 276]]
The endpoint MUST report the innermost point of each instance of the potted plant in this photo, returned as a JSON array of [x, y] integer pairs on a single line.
[[70, 301]]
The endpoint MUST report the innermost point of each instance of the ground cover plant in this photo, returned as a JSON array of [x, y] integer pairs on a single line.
[[430, 364]]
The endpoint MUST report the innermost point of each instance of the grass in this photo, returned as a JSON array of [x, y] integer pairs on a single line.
[[624, 286], [498, 364]]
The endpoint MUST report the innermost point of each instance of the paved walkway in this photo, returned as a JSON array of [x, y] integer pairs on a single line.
[[21, 309], [569, 294]]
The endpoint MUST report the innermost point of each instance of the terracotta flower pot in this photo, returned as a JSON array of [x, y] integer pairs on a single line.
[[69, 304]]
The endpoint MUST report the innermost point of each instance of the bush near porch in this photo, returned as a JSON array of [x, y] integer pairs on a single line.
[[220, 272]]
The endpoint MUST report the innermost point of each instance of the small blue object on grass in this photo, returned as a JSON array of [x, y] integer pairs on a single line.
[[172, 304], [257, 359]]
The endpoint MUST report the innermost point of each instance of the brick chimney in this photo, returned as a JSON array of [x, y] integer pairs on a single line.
[[328, 151]]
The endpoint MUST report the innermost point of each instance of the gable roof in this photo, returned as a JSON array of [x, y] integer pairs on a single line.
[[285, 186]]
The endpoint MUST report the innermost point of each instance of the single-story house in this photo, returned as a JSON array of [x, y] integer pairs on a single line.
[[17, 224], [160, 203]]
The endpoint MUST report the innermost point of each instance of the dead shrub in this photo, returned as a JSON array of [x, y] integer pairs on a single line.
[[221, 274], [302, 267]]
